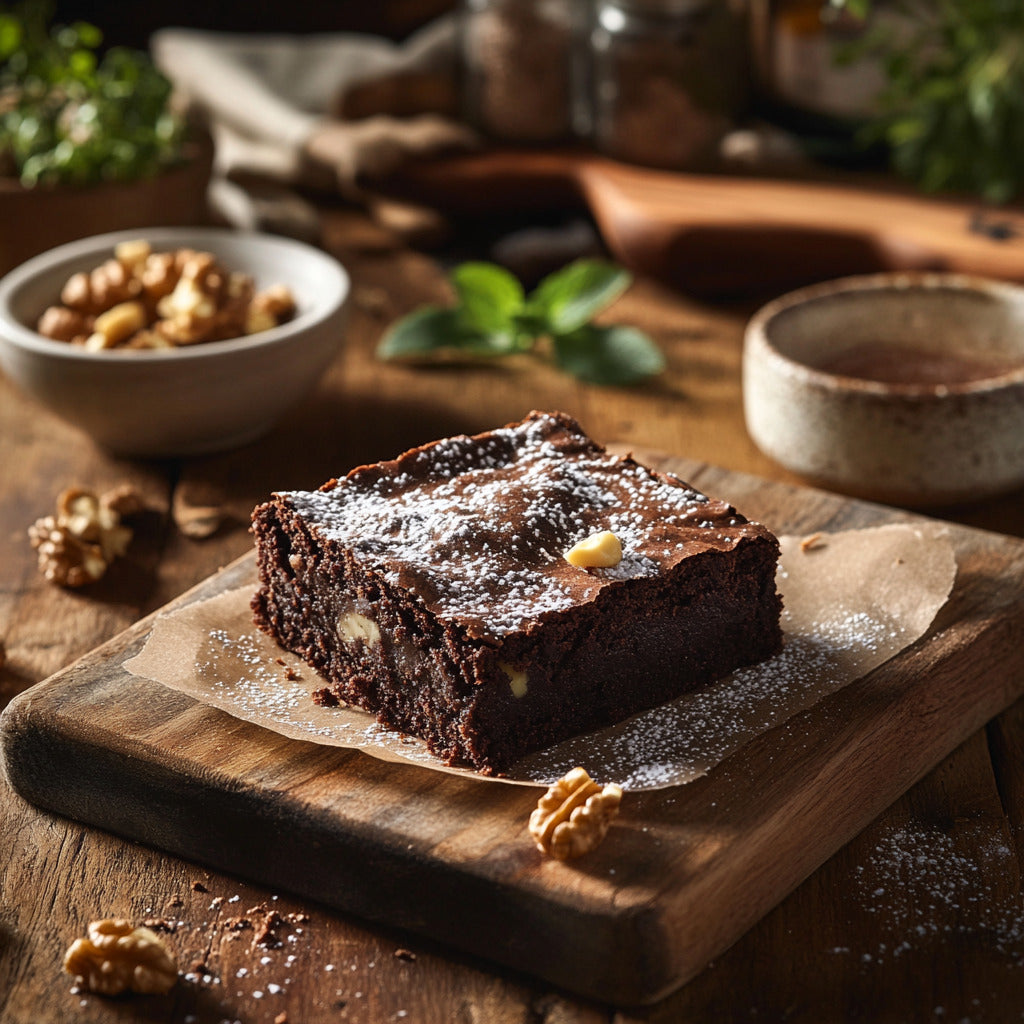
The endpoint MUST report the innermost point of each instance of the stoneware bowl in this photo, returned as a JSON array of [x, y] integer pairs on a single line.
[[902, 388], [181, 401]]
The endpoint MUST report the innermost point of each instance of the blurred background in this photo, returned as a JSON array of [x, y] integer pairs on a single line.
[[132, 24]]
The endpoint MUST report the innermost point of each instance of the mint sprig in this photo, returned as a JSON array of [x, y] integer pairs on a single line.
[[493, 316]]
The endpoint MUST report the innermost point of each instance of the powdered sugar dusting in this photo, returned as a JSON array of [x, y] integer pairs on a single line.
[[681, 740], [923, 885], [237, 667], [667, 745], [477, 527], [852, 602]]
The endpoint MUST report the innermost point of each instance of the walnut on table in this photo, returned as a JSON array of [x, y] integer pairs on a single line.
[[77, 544], [117, 957], [573, 816]]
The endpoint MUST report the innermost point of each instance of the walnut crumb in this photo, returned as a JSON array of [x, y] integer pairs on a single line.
[[812, 542], [404, 954], [573, 816], [599, 550], [117, 957], [281, 1018]]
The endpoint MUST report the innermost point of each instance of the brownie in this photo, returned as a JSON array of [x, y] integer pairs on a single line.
[[433, 591]]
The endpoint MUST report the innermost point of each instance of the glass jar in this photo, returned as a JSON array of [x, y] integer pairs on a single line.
[[669, 79], [798, 47], [521, 61]]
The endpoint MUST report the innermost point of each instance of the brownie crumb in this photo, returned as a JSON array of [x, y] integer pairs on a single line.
[[290, 673], [326, 698], [199, 887], [266, 934], [404, 954]]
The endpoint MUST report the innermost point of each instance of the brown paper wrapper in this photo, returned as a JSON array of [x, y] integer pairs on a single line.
[[852, 601]]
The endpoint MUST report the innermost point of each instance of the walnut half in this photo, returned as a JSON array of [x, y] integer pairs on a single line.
[[573, 816], [117, 957]]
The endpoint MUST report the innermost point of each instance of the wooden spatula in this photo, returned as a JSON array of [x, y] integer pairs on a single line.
[[733, 234]]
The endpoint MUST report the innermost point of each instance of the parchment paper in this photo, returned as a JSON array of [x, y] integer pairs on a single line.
[[852, 601]]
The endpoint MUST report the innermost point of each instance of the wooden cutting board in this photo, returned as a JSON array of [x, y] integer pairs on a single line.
[[728, 234], [683, 873]]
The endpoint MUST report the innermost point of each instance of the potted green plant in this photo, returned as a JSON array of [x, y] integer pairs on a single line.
[[89, 141], [953, 106]]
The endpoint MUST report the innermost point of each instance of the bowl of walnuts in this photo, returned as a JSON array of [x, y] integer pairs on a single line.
[[172, 341]]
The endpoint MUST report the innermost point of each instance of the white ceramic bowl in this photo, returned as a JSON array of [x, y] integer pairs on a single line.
[[181, 401], [822, 394]]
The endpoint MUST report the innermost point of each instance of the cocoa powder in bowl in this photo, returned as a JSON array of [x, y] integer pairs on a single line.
[[903, 388]]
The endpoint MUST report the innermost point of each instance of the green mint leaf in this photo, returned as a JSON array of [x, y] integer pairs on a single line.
[[481, 343], [569, 298], [489, 296], [608, 355], [434, 329], [420, 333]]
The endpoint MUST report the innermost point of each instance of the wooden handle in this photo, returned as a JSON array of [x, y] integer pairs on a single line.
[[733, 234], [725, 234]]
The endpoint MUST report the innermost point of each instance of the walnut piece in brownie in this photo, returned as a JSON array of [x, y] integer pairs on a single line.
[[433, 591]]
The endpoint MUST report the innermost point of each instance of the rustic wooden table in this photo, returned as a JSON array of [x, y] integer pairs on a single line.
[[919, 919]]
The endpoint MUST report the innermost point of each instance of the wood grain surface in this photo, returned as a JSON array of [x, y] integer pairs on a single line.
[[941, 942], [685, 871]]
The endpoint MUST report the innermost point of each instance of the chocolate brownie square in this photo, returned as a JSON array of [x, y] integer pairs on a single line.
[[433, 590]]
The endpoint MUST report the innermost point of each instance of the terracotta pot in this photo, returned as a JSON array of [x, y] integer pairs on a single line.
[[33, 220]]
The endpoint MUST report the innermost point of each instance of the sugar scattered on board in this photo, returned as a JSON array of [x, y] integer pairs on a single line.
[[923, 884]]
